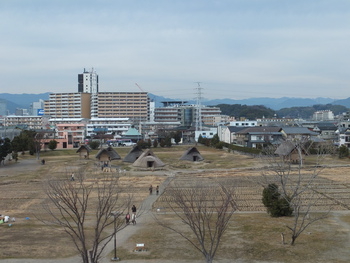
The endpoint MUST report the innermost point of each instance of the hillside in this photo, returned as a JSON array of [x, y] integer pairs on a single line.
[[276, 104]]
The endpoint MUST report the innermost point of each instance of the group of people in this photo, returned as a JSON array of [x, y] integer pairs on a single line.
[[151, 190], [132, 217], [6, 219]]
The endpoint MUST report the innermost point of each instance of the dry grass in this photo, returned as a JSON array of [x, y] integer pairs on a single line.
[[251, 236]]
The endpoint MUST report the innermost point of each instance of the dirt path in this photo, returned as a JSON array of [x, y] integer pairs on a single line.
[[122, 236], [13, 168]]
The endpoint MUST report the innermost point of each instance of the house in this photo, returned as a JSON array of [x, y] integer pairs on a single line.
[[84, 151], [227, 134], [326, 130], [255, 137], [192, 154], [133, 154], [148, 160], [344, 137], [297, 133], [132, 134]]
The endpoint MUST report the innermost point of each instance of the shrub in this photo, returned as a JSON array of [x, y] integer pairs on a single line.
[[142, 144], [155, 143], [343, 151], [94, 144], [53, 145], [276, 204]]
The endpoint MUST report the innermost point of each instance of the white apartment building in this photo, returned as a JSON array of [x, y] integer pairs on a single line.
[[116, 126], [88, 81], [246, 123], [30, 122], [323, 115], [209, 134]]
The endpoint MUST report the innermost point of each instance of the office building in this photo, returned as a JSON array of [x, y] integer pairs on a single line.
[[36, 108]]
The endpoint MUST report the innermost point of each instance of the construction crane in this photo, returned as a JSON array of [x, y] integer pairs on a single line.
[[139, 87]]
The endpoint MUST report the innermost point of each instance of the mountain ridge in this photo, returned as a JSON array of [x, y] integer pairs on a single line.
[[25, 99]]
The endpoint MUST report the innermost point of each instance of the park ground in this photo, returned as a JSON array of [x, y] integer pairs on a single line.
[[252, 236]]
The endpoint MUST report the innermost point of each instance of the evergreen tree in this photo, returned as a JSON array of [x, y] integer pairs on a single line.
[[276, 204], [5, 149], [155, 143], [343, 151], [53, 145], [94, 145]]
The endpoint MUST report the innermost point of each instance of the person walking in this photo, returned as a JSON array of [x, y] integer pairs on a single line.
[[72, 177], [157, 190], [133, 216], [150, 189], [127, 219], [133, 209]]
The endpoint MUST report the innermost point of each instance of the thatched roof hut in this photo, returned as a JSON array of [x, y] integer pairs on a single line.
[[148, 160], [133, 154], [84, 151], [288, 150], [107, 154], [192, 154]]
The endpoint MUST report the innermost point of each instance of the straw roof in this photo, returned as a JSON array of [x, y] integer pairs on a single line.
[[192, 154], [147, 159], [110, 152], [133, 154]]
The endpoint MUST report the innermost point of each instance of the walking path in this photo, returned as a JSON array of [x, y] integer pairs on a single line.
[[122, 236], [14, 167]]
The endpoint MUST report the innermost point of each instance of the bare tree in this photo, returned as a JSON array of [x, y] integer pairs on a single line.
[[205, 209], [79, 204], [297, 182]]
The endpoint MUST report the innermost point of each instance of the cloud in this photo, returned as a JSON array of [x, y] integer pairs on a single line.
[[235, 48]]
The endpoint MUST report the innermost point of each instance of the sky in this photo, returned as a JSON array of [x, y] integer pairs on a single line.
[[233, 49]]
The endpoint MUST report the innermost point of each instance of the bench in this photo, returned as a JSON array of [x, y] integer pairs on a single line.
[[140, 247]]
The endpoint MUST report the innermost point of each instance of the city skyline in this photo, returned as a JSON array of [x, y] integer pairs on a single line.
[[236, 49]]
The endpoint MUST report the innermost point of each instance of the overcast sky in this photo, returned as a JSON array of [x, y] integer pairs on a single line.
[[235, 49]]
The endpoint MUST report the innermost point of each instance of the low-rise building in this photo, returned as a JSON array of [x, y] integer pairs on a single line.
[[323, 115], [31, 122], [259, 137], [115, 126]]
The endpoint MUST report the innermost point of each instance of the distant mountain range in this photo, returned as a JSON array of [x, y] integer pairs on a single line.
[[272, 103], [24, 100]]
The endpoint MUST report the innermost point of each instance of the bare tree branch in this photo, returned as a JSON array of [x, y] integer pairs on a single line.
[[84, 203], [297, 183], [205, 209]]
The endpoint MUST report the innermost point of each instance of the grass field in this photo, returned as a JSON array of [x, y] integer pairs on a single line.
[[252, 235]]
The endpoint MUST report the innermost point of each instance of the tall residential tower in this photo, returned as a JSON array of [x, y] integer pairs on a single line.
[[88, 81]]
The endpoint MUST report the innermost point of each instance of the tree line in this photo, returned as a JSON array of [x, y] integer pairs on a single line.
[[260, 111], [27, 140]]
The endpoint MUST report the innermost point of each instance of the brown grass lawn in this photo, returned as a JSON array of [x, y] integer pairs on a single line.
[[252, 235]]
